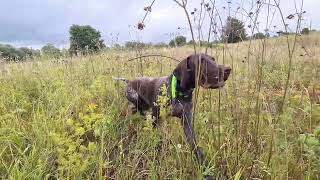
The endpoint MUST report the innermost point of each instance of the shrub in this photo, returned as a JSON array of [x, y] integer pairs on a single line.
[[258, 36], [136, 44], [305, 31], [50, 51], [178, 41], [30, 53]]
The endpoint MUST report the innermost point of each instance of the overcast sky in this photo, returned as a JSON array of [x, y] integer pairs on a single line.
[[34, 23]]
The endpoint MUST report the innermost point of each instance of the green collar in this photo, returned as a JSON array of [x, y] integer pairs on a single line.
[[177, 93], [174, 87]]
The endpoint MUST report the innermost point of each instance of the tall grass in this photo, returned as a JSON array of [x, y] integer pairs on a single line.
[[70, 120]]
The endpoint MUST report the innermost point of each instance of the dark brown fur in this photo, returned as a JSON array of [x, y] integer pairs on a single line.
[[143, 92]]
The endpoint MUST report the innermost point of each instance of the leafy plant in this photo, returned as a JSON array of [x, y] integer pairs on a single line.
[[311, 147], [77, 143]]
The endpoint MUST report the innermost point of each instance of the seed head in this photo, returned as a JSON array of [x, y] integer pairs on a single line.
[[290, 16], [141, 25], [147, 8]]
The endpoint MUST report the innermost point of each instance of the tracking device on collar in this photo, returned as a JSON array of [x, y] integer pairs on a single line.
[[173, 87], [177, 92]]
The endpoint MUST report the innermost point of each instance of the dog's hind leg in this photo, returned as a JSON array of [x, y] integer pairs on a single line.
[[137, 104], [133, 99], [155, 115], [133, 108]]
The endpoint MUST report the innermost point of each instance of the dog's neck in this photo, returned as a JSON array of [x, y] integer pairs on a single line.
[[177, 92]]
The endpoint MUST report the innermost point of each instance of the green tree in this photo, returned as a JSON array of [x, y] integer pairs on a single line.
[[30, 53], [136, 44], [259, 36], [65, 52], [10, 53], [234, 30], [50, 51], [178, 41], [203, 43], [160, 45], [117, 46], [85, 39], [305, 31], [190, 42]]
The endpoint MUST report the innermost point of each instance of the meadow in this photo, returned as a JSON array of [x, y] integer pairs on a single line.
[[68, 119]]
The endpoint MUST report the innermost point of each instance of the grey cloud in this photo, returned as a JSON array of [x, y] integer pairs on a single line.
[[42, 21], [35, 22]]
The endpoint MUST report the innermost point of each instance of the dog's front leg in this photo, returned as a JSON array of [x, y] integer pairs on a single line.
[[156, 115], [133, 99], [186, 121]]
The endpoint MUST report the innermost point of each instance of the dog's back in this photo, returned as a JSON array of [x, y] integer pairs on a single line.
[[147, 88]]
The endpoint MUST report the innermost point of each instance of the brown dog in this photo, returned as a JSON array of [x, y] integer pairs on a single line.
[[143, 92]]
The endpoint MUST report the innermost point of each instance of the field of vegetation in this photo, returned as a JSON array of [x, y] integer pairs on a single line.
[[68, 119]]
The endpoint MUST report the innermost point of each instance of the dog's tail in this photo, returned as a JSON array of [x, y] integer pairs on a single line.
[[120, 79]]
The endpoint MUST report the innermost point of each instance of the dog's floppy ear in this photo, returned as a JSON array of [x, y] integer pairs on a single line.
[[182, 72]]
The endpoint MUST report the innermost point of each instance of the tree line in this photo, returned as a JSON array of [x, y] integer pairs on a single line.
[[83, 40], [234, 31], [87, 40]]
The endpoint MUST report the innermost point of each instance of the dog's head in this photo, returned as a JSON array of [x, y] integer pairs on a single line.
[[211, 75]]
